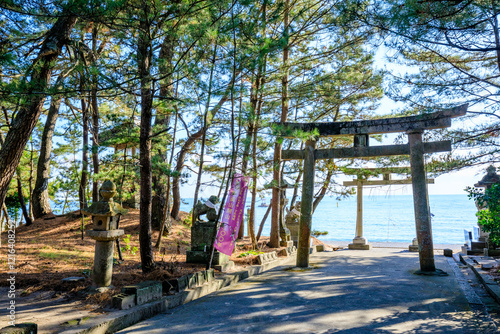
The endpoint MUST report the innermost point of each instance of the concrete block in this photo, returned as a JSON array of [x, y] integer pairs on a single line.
[[283, 252], [493, 252], [169, 286], [200, 277], [494, 291], [267, 257], [23, 328], [359, 246], [195, 256], [191, 281], [448, 252], [224, 267], [210, 275], [182, 283], [478, 245], [487, 266], [145, 291], [176, 284], [123, 301]]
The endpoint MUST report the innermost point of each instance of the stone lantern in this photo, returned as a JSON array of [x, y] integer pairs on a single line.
[[487, 181], [105, 214]]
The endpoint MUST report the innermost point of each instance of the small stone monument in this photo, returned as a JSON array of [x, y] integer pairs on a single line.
[[414, 245], [202, 234], [105, 215], [292, 220]]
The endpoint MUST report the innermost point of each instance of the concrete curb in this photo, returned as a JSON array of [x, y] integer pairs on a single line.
[[491, 286], [119, 320]]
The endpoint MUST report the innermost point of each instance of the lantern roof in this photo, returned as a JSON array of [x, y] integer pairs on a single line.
[[490, 178], [106, 206]]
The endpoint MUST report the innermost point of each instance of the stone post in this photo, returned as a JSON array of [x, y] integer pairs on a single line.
[[421, 202], [306, 205], [359, 210]]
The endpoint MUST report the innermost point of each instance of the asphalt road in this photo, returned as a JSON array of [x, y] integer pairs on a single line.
[[344, 292]]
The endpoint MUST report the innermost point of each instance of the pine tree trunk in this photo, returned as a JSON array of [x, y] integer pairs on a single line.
[[82, 190], [162, 121], [20, 196], [30, 183], [95, 144], [41, 204], [276, 201], [144, 57], [29, 112], [95, 122], [251, 218]]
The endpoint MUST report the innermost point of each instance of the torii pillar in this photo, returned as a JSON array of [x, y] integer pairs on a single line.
[[306, 205], [421, 204], [359, 242]]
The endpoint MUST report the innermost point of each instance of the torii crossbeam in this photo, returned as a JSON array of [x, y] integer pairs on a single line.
[[413, 126]]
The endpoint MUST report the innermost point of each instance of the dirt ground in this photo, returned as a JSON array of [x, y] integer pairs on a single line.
[[53, 249]]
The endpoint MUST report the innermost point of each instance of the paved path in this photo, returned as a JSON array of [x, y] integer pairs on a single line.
[[345, 292]]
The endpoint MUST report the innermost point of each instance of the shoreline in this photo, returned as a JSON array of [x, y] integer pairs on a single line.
[[383, 244]]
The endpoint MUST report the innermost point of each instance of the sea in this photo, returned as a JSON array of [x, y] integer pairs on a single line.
[[385, 218]]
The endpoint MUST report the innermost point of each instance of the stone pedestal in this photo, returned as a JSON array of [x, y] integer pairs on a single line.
[[203, 256], [103, 258], [360, 243], [201, 236]]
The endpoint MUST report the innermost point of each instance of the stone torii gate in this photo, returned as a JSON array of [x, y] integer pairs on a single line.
[[359, 242], [413, 126]]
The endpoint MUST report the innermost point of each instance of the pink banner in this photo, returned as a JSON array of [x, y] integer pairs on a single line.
[[232, 216]]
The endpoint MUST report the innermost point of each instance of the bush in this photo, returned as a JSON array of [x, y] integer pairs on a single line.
[[489, 216]]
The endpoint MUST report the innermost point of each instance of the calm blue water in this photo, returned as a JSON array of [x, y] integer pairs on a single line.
[[386, 218]]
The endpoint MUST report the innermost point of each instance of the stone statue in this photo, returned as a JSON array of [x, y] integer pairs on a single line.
[[283, 230], [292, 220], [203, 232], [208, 208]]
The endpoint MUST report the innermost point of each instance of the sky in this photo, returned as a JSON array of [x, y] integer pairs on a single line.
[[447, 184]]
